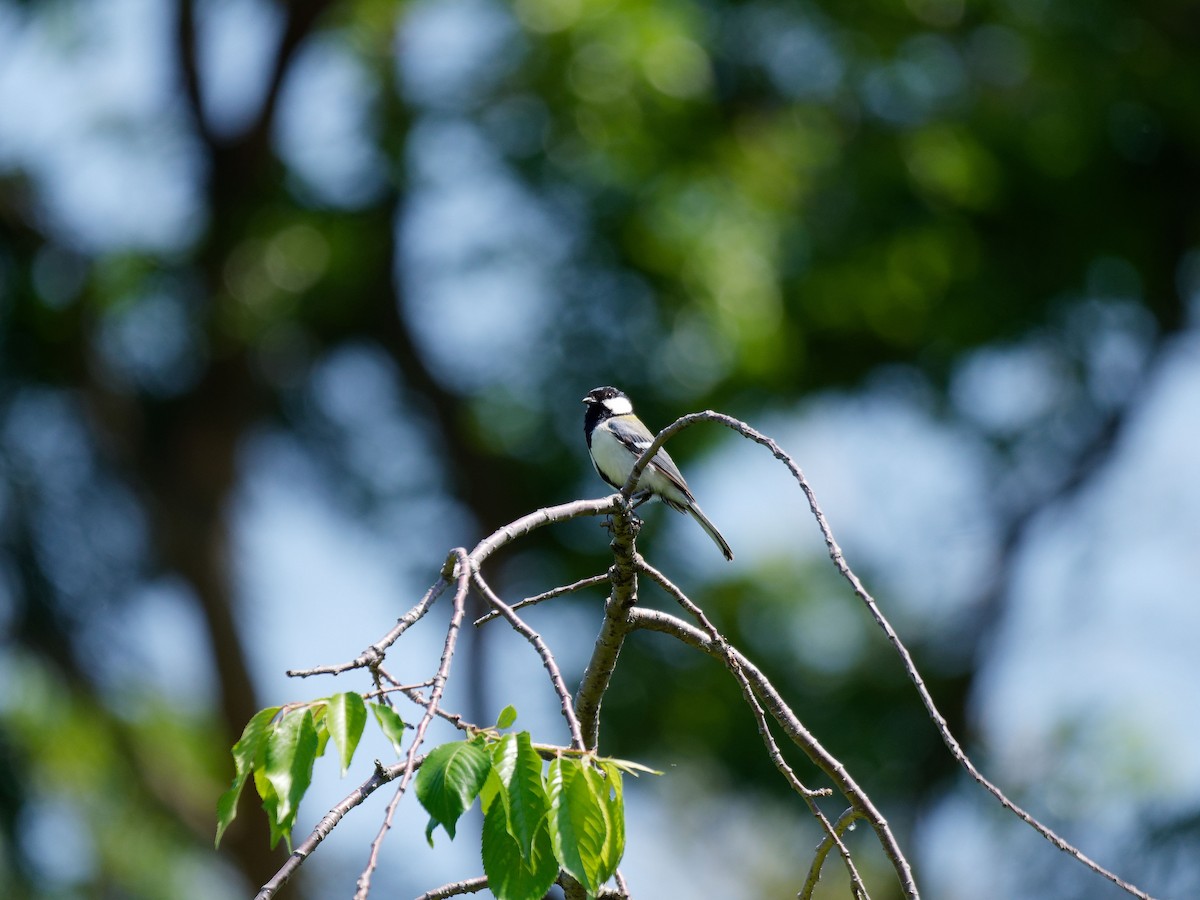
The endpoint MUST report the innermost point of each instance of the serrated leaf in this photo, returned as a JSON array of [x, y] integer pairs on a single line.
[[504, 757], [345, 717], [504, 761], [576, 822], [507, 716], [391, 725], [287, 765], [449, 779], [246, 753], [612, 801], [511, 874]]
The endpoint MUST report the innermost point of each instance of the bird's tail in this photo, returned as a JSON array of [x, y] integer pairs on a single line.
[[699, 516]]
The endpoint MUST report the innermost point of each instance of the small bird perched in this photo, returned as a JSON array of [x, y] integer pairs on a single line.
[[616, 438]]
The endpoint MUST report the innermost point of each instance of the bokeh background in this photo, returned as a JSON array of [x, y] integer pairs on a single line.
[[295, 296]]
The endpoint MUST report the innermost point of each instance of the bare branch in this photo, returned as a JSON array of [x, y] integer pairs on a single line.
[[579, 585], [839, 562], [847, 819], [653, 620], [621, 885], [456, 889], [560, 685], [724, 651], [373, 655], [378, 779], [453, 718], [534, 520], [614, 628], [435, 695]]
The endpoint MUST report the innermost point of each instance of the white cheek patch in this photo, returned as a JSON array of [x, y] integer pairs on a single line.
[[618, 406]]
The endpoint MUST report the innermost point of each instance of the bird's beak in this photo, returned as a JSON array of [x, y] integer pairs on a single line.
[[585, 399]]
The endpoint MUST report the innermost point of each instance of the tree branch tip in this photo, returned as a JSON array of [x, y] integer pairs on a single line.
[[449, 568]]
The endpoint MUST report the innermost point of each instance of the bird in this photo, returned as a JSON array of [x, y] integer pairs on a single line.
[[616, 438]]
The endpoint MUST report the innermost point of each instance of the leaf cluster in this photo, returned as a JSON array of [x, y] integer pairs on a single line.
[[570, 816], [280, 744]]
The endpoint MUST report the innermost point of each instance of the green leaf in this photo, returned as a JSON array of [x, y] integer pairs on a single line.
[[322, 736], [508, 715], [270, 804], [492, 788], [525, 793], [391, 725], [287, 765], [612, 802], [511, 874], [504, 762], [576, 823], [247, 753], [346, 717], [633, 768], [449, 779]]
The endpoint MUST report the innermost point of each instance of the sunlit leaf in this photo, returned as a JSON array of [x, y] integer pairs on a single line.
[[492, 789], [527, 801], [288, 763], [576, 823], [345, 718], [507, 716], [633, 768], [612, 802]]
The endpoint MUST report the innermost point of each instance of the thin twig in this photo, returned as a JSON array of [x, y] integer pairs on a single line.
[[724, 651], [560, 685], [381, 776], [621, 885], [453, 718], [548, 595], [381, 692], [654, 620], [435, 695], [373, 655], [456, 889], [848, 818]]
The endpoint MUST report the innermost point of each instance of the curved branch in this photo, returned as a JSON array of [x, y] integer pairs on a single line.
[[581, 584], [373, 655], [839, 562], [560, 686], [653, 620], [844, 822], [725, 652]]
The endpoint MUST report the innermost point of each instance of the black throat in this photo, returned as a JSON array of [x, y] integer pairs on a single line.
[[593, 416]]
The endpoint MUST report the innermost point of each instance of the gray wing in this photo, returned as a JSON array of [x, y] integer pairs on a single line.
[[633, 434]]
